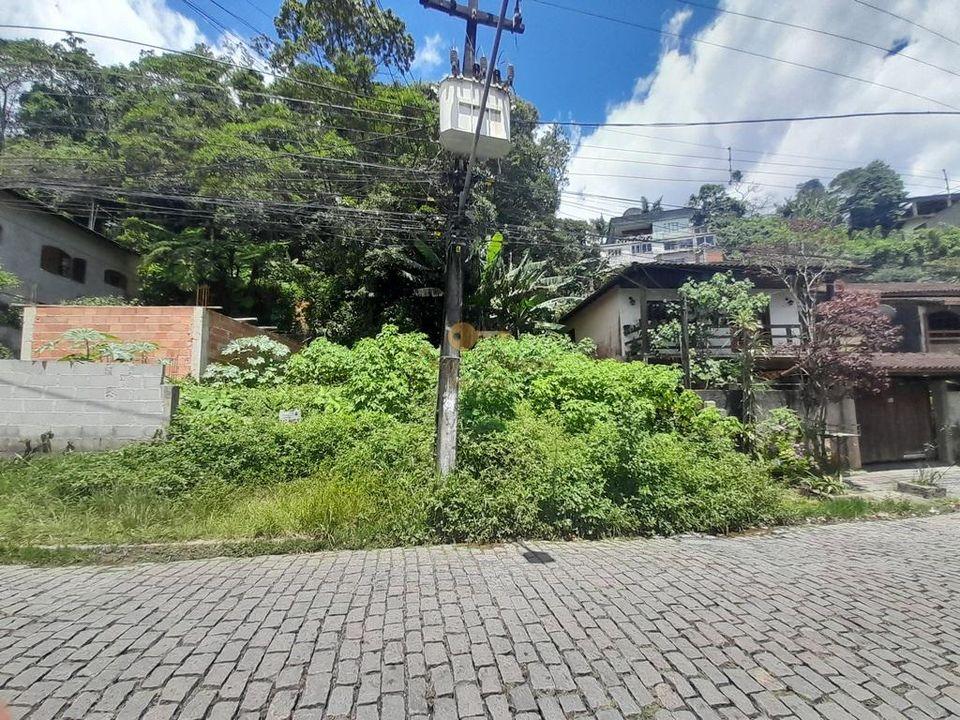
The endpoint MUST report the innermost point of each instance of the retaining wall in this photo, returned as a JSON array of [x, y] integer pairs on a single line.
[[86, 406]]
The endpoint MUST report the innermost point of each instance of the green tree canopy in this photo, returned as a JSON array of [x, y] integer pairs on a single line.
[[869, 196]]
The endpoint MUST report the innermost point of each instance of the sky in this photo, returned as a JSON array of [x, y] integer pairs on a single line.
[[578, 67]]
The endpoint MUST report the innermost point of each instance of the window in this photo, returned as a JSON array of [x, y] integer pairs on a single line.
[[56, 261], [641, 248], [78, 270], [115, 278]]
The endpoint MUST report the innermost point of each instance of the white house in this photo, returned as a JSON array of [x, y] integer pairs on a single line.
[[645, 236], [622, 313]]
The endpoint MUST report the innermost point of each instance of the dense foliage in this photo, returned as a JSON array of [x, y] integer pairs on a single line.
[[305, 192], [554, 444]]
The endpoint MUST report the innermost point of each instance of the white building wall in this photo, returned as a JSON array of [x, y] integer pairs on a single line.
[[25, 229], [783, 311], [600, 321]]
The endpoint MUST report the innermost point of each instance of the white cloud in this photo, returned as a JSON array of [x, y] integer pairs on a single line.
[[695, 82], [149, 21], [674, 26], [428, 55]]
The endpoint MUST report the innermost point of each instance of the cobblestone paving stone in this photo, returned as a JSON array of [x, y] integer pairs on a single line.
[[848, 621]]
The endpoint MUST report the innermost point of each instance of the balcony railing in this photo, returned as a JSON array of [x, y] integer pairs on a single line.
[[776, 340], [943, 337]]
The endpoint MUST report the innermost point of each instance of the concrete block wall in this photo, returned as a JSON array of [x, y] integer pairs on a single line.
[[87, 406]]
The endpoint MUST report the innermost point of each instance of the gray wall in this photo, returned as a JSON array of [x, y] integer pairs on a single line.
[[25, 228], [90, 406]]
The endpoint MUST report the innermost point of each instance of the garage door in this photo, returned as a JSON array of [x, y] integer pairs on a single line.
[[897, 424]]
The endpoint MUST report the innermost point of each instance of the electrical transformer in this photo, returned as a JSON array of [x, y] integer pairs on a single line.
[[459, 110]]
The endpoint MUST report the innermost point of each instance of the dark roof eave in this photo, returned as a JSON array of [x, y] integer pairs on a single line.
[[64, 218]]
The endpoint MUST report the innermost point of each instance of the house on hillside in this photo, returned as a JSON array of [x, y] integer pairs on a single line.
[[927, 211], [57, 258], [621, 315], [640, 237], [917, 417]]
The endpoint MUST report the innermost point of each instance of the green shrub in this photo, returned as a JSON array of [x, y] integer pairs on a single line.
[[553, 443], [586, 391], [320, 363], [393, 373], [530, 479], [671, 487], [204, 403]]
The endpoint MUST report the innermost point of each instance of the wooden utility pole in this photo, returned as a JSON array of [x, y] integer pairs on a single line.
[[448, 386], [946, 180]]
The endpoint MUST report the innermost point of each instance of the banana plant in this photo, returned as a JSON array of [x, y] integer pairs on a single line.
[[518, 295]]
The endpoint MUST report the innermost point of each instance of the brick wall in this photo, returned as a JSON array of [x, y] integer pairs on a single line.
[[221, 329], [87, 406], [171, 328], [187, 337]]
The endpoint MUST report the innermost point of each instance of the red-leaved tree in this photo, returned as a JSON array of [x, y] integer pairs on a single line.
[[837, 358]]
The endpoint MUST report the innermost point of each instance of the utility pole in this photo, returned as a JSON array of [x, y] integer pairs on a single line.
[[448, 388], [946, 179], [474, 16], [730, 164]]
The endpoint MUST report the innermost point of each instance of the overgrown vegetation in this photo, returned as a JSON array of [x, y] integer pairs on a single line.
[[554, 444]]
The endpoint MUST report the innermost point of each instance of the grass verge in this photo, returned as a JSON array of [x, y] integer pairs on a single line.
[[282, 518]]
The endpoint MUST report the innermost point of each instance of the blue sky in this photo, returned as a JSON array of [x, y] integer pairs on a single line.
[[558, 64], [562, 58], [582, 68]]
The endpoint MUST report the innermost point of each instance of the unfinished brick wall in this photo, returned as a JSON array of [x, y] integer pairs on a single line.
[[187, 337], [222, 329], [171, 328]]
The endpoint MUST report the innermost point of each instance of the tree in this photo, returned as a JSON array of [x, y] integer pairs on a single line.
[[836, 359], [812, 202], [839, 336], [316, 202], [712, 203], [869, 196], [331, 33], [720, 303]]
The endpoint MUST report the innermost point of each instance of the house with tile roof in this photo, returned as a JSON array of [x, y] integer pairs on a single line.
[[916, 418]]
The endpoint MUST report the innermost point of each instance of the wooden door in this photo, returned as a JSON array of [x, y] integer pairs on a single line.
[[896, 424]]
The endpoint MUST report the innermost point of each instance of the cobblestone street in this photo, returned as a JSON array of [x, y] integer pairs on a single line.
[[849, 621]]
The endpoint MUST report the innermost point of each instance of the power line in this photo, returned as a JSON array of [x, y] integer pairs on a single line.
[[758, 161], [818, 31], [754, 121], [216, 61], [805, 176], [904, 19], [738, 149], [710, 43], [257, 31], [259, 9]]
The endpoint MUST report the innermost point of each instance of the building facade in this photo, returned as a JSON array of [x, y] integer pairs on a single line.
[[646, 236], [928, 211], [57, 259], [916, 418]]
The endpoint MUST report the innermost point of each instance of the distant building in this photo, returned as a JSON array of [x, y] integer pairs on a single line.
[[927, 211], [57, 258], [642, 237]]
